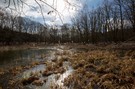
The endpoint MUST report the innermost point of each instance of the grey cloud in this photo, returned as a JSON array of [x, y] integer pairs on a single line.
[[34, 11], [10, 3]]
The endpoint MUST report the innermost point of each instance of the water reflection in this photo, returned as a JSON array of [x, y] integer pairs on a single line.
[[22, 57]]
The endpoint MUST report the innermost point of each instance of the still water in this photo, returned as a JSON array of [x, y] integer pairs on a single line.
[[23, 57]]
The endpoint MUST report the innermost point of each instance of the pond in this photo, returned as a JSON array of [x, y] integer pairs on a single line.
[[21, 58]]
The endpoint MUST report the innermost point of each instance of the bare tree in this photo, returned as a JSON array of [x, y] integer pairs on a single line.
[[77, 25], [85, 23], [129, 7], [115, 23], [120, 5], [65, 33], [18, 6], [93, 23], [106, 18]]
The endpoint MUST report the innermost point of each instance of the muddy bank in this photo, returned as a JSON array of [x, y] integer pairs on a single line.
[[17, 47], [122, 45], [25, 46]]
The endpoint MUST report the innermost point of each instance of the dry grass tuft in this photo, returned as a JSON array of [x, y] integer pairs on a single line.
[[103, 68]]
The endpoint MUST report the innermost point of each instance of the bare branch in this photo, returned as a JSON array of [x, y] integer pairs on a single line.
[[41, 10]]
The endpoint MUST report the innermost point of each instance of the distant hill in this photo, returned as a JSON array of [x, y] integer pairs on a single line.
[[19, 23], [17, 29], [29, 25]]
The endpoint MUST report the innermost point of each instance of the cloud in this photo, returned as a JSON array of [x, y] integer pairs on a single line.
[[11, 3], [62, 10], [58, 10]]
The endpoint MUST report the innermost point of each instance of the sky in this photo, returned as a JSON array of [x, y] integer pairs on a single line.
[[53, 12]]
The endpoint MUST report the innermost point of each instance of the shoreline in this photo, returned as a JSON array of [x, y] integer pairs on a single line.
[[22, 46], [122, 45], [101, 67]]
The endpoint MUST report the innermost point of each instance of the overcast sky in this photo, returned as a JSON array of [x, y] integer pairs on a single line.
[[66, 9]]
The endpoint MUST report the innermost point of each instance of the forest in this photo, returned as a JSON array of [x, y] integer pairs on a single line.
[[67, 44], [113, 21]]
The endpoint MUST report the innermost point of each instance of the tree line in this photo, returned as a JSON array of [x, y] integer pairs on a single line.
[[112, 21]]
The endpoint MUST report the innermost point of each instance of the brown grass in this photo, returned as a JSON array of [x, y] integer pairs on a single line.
[[103, 68], [110, 67]]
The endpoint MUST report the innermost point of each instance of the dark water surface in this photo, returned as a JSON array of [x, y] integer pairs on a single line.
[[23, 57], [10, 59], [13, 58]]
